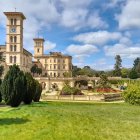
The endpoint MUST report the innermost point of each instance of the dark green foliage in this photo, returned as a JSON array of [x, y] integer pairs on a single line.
[[133, 74], [132, 93], [39, 71], [0, 91], [13, 86], [38, 91], [68, 90], [1, 70], [117, 67], [30, 88], [34, 69]]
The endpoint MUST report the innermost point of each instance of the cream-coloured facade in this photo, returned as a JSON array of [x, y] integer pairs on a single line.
[[13, 51], [54, 64]]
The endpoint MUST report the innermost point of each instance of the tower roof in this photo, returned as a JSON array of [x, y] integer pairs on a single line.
[[39, 39], [15, 14]]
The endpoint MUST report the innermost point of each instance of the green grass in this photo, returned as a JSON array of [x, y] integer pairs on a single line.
[[70, 121]]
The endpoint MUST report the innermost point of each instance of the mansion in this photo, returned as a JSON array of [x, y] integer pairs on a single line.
[[54, 64]]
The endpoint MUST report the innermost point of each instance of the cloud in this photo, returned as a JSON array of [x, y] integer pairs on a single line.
[[83, 50], [49, 45], [97, 38], [123, 50], [130, 15]]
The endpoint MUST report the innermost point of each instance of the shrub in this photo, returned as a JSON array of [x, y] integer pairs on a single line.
[[0, 91], [30, 89], [68, 90], [13, 86], [132, 93], [38, 91]]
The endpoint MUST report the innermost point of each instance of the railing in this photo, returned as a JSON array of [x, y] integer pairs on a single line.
[[95, 97]]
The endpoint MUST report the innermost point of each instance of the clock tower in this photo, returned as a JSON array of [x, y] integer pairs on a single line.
[[14, 38]]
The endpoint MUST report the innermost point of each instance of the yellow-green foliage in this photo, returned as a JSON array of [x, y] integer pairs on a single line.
[[132, 93]]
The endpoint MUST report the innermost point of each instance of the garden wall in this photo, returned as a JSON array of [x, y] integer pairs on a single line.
[[96, 97]]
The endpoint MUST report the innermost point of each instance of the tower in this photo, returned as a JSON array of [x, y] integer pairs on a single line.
[[38, 46], [14, 38]]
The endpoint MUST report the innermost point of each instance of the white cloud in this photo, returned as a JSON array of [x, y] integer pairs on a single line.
[[130, 15], [82, 49], [49, 45], [98, 38], [123, 50]]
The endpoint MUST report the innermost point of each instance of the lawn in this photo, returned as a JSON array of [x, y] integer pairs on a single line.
[[70, 121]]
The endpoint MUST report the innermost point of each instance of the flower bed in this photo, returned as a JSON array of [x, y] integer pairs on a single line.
[[106, 90]]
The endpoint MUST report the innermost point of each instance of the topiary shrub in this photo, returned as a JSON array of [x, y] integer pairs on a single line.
[[13, 86], [30, 89], [132, 93], [38, 91], [68, 90]]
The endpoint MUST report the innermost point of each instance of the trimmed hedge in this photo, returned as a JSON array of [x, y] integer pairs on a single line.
[[68, 90]]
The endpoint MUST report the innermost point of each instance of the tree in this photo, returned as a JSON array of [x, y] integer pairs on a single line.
[[34, 69], [1, 70], [0, 91], [133, 74], [103, 82], [117, 67], [30, 89], [39, 71], [13, 86], [38, 91], [136, 62], [125, 72]]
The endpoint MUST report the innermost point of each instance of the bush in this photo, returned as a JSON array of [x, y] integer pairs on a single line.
[[38, 91], [13, 86], [30, 89], [68, 90], [132, 93], [0, 92]]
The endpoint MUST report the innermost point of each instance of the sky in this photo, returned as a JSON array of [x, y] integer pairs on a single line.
[[92, 31]]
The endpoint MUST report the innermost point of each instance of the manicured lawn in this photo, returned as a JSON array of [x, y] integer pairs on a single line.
[[70, 121]]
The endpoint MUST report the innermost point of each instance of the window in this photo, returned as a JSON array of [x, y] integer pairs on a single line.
[[58, 74], [15, 48], [51, 74], [15, 59], [11, 48], [63, 66], [54, 60], [58, 60], [63, 61], [38, 50], [11, 59], [54, 66], [15, 21], [11, 39], [50, 67], [50, 60], [54, 74], [15, 39], [12, 21]]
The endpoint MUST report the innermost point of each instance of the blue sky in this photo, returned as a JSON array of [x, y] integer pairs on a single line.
[[92, 31]]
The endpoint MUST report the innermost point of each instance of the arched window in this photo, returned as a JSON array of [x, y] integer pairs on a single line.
[[54, 74], [15, 59], [38, 50], [51, 74], [11, 39], [15, 39], [11, 48], [11, 59], [15, 21], [12, 21], [15, 48]]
